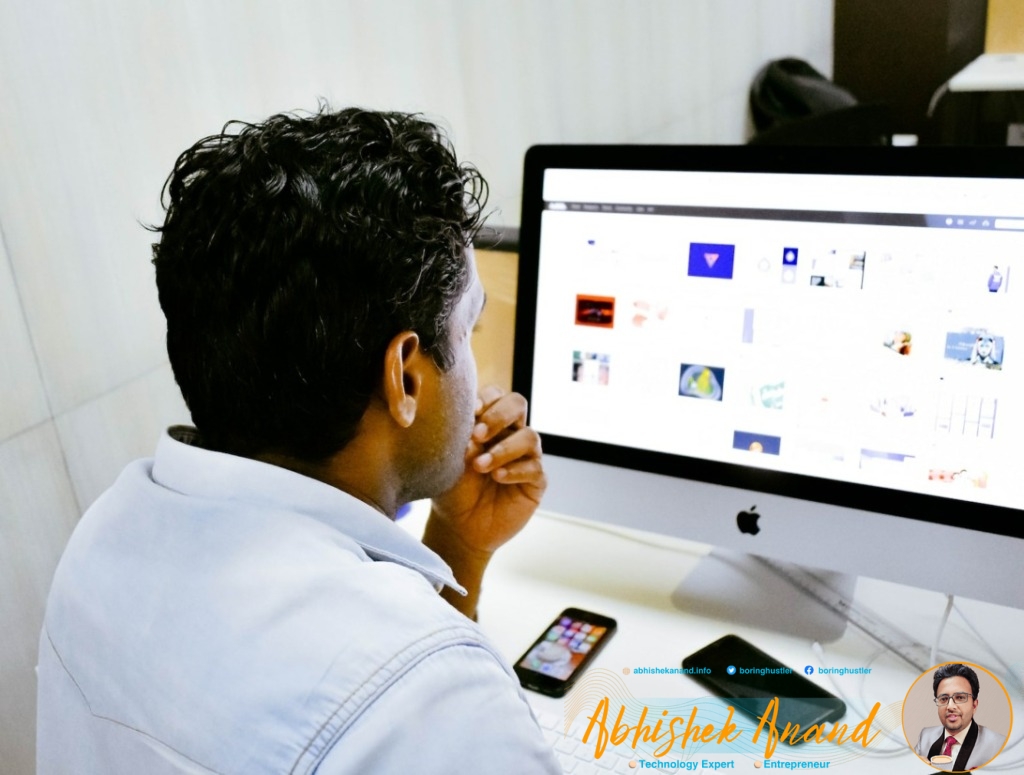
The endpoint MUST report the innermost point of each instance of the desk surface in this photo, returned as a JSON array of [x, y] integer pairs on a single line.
[[558, 562]]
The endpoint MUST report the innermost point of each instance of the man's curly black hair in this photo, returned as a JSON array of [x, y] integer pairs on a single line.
[[292, 252]]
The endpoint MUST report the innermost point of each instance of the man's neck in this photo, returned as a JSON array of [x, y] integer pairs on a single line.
[[337, 473]]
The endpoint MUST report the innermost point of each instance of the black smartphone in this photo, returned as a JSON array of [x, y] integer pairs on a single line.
[[563, 651], [750, 678]]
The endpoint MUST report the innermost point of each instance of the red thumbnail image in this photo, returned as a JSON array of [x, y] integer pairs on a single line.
[[595, 311]]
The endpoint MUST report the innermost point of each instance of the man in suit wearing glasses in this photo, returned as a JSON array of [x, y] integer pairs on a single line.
[[960, 740]]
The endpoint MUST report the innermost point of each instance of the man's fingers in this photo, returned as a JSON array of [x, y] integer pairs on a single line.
[[508, 411], [529, 471], [487, 395], [522, 444]]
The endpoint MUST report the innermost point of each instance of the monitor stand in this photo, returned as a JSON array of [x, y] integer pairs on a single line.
[[750, 590]]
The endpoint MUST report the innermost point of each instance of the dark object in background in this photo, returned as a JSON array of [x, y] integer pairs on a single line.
[[977, 118], [788, 90], [897, 53], [501, 238], [793, 104]]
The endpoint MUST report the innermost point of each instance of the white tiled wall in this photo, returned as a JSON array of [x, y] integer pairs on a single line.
[[37, 513], [98, 98], [24, 402], [99, 437]]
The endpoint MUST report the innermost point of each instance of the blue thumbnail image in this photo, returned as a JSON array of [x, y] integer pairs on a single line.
[[889, 457], [710, 260], [976, 347], [699, 381], [756, 442]]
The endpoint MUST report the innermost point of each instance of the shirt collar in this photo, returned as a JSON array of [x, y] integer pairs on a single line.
[[184, 466]]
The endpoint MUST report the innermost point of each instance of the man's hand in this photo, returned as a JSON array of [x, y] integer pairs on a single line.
[[497, 494], [504, 479]]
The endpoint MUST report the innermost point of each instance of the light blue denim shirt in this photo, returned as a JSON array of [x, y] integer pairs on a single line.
[[215, 614]]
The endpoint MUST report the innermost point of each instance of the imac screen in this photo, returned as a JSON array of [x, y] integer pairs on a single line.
[[839, 326]]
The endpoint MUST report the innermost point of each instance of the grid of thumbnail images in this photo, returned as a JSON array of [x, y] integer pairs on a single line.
[[966, 405]]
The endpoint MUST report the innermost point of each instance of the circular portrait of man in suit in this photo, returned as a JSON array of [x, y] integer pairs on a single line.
[[957, 716]]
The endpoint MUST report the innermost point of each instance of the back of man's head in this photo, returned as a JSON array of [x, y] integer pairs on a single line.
[[292, 252]]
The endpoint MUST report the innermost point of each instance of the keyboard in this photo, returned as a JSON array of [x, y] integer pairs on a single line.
[[577, 757]]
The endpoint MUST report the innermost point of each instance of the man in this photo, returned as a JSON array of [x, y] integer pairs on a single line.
[[969, 745], [244, 602]]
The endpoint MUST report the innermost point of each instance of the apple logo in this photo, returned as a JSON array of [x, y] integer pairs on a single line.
[[746, 521]]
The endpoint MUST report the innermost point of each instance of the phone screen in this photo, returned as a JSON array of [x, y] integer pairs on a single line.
[[553, 662], [752, 678]]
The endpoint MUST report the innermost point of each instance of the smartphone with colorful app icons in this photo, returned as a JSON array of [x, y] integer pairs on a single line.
[[561, 654]]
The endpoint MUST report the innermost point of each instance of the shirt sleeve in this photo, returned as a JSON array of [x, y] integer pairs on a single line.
[[457, 712]]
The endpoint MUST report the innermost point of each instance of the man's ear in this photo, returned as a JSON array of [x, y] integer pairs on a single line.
[[404, 373]]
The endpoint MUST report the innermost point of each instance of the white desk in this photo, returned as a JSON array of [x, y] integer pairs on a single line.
[[556, 563], [991, 72]]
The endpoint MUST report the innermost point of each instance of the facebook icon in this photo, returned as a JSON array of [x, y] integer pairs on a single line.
[[809, 670]]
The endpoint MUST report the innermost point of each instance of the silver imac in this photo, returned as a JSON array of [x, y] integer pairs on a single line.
[[810, 355]]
